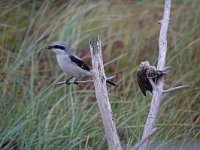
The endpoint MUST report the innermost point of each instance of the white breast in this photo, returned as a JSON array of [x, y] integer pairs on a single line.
[[70, 68]]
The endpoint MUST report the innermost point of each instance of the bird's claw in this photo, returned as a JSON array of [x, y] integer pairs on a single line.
[[75, 82], [68, 83]]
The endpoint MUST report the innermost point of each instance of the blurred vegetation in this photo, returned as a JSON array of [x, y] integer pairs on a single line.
[[40, 115]]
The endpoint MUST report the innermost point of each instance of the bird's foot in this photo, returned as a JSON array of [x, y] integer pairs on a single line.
[[68, 82], [75, 82]]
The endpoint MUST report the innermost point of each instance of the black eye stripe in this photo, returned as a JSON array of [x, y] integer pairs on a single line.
[[59, 47]]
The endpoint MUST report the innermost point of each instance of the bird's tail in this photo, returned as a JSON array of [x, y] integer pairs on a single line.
[[107, 81], [163, 71], [166, 70], [111, 83]]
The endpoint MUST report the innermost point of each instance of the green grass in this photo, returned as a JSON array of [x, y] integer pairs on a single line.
[[41, 115]]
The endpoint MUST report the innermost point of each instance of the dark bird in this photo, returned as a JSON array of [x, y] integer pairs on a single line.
[[146, 71]]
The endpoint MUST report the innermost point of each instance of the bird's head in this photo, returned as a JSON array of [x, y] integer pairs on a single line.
[[59, 47], [144, 65]]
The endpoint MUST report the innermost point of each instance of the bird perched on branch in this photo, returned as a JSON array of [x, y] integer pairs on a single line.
[[70, 63], [147, 71]]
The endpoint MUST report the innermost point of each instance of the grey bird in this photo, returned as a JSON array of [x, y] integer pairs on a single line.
[[147, 71], [70, 63]]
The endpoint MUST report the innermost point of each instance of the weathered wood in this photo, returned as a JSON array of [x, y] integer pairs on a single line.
[[99, 79]]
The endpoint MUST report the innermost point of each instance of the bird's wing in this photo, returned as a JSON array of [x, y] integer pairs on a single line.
[[79, 62], [141, 81]]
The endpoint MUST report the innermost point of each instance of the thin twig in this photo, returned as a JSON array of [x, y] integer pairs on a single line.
[[64, 82], [85, 81], [175, 88], [160, 21], [136, 146]]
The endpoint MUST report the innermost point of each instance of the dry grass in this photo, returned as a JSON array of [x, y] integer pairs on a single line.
[[40, 115]]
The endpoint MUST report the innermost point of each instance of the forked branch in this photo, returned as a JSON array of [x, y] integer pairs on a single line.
[[137, 146], [158, 88]]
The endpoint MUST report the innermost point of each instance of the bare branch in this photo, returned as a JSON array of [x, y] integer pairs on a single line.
[[158, 91], [102, 96], [136, 147], [175, 88], [86, 81]]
